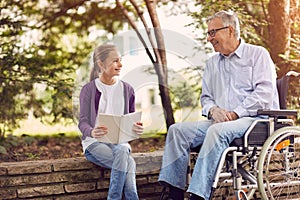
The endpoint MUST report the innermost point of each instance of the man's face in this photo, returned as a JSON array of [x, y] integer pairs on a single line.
[[220, 39]]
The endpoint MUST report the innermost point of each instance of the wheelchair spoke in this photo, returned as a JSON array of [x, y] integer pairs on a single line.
[[274, 175], [225, 188], [279, 163]]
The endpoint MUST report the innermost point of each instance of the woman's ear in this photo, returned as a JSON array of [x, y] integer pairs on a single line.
[[100, 64]]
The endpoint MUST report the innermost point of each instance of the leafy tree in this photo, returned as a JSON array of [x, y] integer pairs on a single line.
[[159, 58], [42, 44], [56, 44], [273, 24], [179, 96]]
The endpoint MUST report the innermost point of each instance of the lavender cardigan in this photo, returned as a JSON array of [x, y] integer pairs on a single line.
[[89, 102]]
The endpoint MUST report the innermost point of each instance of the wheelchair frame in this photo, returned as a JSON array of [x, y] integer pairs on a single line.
[[245, 183], [250, 159]]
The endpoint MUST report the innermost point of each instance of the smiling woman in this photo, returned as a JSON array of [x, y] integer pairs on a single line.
[[110, 67], [105, 94]]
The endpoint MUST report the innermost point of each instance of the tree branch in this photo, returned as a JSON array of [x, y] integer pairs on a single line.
[[62, 12], [158, 34], [125, 12], [140, 14]]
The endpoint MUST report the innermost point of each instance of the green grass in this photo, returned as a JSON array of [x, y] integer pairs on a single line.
[[153, 135], [41, 134]]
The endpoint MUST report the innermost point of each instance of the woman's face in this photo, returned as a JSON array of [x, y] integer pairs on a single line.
[[112, 65]]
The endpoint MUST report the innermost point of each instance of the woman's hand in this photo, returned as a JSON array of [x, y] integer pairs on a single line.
[[99, 131], [138, 128]]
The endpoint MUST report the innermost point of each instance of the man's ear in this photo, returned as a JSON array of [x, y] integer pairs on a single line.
[[231, 31]]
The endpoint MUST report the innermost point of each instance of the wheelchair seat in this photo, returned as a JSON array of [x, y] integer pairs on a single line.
[[258, 135]]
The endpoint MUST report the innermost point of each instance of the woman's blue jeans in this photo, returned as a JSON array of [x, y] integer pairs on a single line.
[[214, 137], [117, 158]]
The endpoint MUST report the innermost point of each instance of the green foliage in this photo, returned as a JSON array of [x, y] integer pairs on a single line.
[[252, 17], [7, 142], [254, 21], [32, 155], [42, 45], [184, 95], [3, 150]]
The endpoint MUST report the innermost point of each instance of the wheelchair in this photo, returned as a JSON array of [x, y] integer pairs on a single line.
[[265, 162]]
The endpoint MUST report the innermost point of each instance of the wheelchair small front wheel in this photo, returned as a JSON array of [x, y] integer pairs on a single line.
[[279, 165], [241, 195]]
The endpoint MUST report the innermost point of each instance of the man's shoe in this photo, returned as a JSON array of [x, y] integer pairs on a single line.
[[174, 192], [195, 197]]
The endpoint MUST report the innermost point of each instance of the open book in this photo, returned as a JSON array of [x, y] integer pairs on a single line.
[[119, 127]]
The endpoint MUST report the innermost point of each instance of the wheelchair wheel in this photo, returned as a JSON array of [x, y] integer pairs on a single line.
[[279, 165], [241, 195]]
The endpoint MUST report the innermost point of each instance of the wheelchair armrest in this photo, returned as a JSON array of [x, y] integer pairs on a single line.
[[277, 113]]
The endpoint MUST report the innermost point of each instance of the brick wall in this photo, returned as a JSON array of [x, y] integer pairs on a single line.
[[74, 178]]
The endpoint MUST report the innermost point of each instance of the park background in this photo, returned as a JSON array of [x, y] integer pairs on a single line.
[[45, 59]]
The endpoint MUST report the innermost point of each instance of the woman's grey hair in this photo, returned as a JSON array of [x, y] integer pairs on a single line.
[[100, 53], [229, 18]]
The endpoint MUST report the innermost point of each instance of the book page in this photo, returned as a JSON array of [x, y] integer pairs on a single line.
[[119, 127], [112, 122], [127, 121]]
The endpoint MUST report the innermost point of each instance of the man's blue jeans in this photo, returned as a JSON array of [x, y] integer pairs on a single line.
[[122, 165], [214, 137]]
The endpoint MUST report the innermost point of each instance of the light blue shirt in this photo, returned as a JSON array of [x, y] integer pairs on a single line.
[[243, 82]]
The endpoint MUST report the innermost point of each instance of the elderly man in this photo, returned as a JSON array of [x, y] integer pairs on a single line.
[[237, 81]]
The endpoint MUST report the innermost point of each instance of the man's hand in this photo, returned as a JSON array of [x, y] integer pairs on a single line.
[[218, 114], [222, 115], [232, 116]]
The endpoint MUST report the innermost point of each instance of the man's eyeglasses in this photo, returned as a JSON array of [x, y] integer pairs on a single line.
[[212, 33]]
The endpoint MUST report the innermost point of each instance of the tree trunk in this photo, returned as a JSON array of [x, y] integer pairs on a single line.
[[160, 60], [161, 64], [279, 40]]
